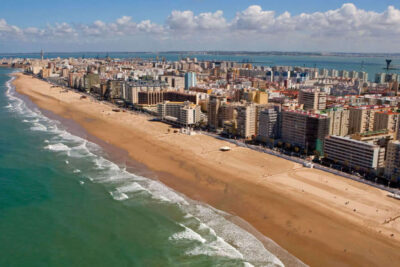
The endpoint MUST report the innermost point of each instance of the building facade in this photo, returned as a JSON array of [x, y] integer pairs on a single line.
[[392, 168], [354, 153], [312, 99], [246, 121], [184, 114], [305, 130], [190, 80]]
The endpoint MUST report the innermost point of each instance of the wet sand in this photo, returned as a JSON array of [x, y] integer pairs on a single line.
[[323, 219]]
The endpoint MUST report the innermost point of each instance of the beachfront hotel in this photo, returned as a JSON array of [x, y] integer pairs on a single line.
[[185, 114], [354, 153]]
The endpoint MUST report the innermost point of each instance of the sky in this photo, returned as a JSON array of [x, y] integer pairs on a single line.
[[196, 25]]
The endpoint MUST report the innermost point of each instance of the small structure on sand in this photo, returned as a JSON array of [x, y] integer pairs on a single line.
[[225, 148]]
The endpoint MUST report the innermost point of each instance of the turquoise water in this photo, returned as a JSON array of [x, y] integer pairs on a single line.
[[371, 65], [62, 203]]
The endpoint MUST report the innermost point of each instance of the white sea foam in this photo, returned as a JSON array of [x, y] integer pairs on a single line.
[[103, 163], [187, 234], [216, 235], [205, 227], [38, 127], [163, 193], [231, 237], [131, 188], [118, 195], [58, 147], [216, 248]]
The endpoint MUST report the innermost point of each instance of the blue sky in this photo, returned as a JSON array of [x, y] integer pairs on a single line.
[[100, 25], [41, 12]]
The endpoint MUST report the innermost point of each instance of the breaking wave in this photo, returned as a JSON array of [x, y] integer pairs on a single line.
[[203, 229]]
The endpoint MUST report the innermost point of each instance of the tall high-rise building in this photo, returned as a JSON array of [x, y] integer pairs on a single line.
[[324, 73], [362, 118], [269, 123], [226, 112], [386, 120], [392, 168], [334, 73], [305, 130], [190, 80], [353, 74], [339, 121], [214, 105], [344, 74], [380, 77], [90, 80], [363, 76], [246, 121], [312, 99]]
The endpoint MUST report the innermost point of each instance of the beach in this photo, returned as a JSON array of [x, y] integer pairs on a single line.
[[322, 219]]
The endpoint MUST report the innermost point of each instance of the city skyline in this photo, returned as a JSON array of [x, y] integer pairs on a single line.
[[201, 25]]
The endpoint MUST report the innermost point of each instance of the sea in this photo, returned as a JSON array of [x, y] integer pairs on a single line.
[[371, 64], [65, 202]]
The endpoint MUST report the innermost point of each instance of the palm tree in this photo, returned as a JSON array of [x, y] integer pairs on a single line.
[[288, 145]]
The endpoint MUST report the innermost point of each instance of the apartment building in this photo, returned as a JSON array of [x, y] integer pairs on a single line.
[[181, 113], [156, 97], [386, 120], [312, 99], [354, 153], [269, 124], [392, 168], [362, 118], [246, 121], [174, 82], [213, 108], [339, 121], [305, 130]]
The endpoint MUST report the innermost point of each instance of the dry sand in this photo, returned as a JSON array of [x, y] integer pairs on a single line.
[[321, 218]]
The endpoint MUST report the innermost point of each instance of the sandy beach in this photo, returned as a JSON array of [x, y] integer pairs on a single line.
[[321, 218]]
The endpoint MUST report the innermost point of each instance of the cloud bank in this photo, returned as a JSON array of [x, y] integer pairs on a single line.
[[347, 28]]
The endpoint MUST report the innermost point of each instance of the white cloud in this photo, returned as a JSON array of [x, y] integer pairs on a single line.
[[347, 27], [186, 21]]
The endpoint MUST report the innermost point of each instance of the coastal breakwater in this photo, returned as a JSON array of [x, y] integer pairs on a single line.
[[302, 210]]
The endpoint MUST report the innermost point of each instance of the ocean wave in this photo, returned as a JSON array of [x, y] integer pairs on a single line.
[[132, 188], [214, 234], [164, 193], [58, 147], [38, 127], [187, 234], [118, 195]]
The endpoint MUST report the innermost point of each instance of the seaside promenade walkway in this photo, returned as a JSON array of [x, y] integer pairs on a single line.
[[305, 163]]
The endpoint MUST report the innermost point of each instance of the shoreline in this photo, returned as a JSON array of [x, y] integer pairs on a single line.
[[291, 205], [120, 156]]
